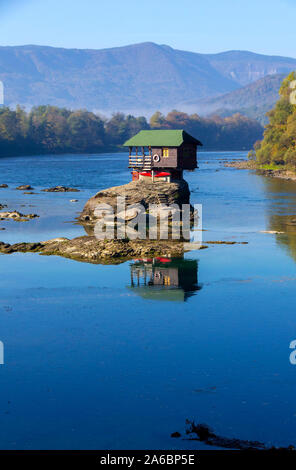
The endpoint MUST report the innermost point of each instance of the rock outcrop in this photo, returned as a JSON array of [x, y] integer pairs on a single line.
[[92, 250], [60, 189], [138, 192]]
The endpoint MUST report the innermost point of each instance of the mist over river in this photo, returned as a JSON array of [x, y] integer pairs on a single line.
[[97, 359]]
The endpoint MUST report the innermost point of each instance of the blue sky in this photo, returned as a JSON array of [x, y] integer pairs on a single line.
[[264, 26]]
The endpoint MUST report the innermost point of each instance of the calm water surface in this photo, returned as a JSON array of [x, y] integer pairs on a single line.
[[94, 360]]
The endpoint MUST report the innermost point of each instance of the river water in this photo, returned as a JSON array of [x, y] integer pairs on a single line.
[[96, 359]]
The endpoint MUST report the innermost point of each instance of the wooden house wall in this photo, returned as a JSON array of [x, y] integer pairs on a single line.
[[183, 157], [187, 159], [166, 162]]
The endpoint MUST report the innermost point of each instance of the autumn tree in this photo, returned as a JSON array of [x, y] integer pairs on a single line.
[[278, 146]]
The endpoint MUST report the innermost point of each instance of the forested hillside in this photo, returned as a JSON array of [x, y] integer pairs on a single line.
[[278, 147]]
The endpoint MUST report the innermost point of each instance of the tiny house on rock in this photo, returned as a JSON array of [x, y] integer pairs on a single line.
[[161, 155]]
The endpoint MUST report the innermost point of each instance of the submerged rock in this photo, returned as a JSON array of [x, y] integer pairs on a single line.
[[241, 164], [20, 247], [17, 216], [221, 242], [61, 189], [24, 187], [205, 434]]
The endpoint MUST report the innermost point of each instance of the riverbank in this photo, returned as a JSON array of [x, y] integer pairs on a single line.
[[264, 170]]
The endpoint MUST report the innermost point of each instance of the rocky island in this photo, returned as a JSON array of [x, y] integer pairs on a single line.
[[157, 179], [90, 249], [137, 192]]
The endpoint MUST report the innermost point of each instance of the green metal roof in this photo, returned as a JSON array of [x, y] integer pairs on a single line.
[[161, 138]]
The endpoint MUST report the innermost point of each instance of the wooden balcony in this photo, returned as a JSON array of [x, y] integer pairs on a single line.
[[140, 162]]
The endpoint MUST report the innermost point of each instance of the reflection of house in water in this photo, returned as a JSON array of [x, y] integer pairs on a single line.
[[172, 279]]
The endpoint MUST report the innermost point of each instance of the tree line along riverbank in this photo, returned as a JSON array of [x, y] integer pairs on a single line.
[[49, 129]]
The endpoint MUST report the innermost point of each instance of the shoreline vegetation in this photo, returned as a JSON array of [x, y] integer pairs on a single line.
[[275, 155], [52, 130], [275, 171]]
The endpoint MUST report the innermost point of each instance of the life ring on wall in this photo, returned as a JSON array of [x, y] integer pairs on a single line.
[[156, 158]]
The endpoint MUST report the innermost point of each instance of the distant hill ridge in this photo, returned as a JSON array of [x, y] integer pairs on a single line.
[[136, 79], [253, 100]]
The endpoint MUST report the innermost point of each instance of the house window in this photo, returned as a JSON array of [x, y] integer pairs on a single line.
[[165, 152]]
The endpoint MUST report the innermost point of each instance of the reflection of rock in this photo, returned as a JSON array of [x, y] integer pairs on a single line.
[[164, 278], [92, 250], [137, 192], [175, 434], [60, 189], [17, 216]]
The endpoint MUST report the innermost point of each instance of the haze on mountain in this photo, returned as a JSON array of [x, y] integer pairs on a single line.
[[253, 100], [139, 78]]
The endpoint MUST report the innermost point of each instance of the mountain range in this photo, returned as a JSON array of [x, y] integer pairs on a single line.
[[141, 78]]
